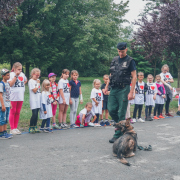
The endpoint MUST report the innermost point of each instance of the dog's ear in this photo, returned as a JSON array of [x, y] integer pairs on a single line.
[[128, 122]]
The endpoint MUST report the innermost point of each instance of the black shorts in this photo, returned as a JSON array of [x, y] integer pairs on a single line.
[[105, 105]]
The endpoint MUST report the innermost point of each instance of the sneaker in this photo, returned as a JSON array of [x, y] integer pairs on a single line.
[[131, 121], [75, 126], [5, 132], [155, 117], [81, 126], [50, 127], [72, 126], [97, 125], [18, 132], [31, 130], [140, 120], [66, 126], [5, 136], [55, 126], [107, 123], [169, 115], [48, 130], [113, 140], [36, 130], [91, 124], [134, 120], [161, 117], [102, 123], [13, 132], [41, 129], [148, 119], [178, 113]]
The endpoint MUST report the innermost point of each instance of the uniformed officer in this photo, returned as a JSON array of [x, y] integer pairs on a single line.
[[122, 74]]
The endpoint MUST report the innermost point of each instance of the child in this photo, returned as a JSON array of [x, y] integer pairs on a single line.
[[159, 98], [130, 102], [34, 99], [167, 79], [46, 109], [97, 100], [178, 112], [55, 95], [105, 101], [17, 83], [75, 89], [4, 104], [140, 89], [85, 116], [63, 86], [150, 97]]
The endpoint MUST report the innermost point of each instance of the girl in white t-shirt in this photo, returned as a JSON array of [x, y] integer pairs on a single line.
[[63, 86], [17, 83], [46, 109], [34, 99], [150, 97], [167, 79], [97, 100]]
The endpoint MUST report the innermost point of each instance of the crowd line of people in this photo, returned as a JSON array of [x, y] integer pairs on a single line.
[[45, 98]]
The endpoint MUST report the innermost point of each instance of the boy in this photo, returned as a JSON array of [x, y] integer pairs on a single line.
[[85, 116], [4, 104], [105, 101], [140, 89]]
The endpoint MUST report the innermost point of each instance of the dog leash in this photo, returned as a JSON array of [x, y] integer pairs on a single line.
[[149, 148]]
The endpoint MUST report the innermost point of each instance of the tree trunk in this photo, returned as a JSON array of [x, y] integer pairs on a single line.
[[155, 69], [27, 70]]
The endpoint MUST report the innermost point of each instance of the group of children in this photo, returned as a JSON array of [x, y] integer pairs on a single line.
[[152, 95], [44, 99]]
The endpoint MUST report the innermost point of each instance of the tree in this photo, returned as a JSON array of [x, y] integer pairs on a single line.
[[8, 11]]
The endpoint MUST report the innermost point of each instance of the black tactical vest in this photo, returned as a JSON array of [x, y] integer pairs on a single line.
[[120, 74]]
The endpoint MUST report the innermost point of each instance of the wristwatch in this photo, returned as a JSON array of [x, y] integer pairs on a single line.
[[16, 76]]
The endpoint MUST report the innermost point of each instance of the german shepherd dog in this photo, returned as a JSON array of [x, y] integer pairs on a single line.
[[125, 146]]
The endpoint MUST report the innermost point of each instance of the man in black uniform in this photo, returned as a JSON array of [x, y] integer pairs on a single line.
[[122, 74]]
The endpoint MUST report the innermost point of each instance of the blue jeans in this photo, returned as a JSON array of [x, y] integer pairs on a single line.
[[4, 116]]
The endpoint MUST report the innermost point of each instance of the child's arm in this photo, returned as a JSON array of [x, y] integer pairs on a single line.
[[44, 108], [2, 102], [96, 102], [70, 101], [167, 84], [36, 86], [62, 95], [80, 93], [94, 118]]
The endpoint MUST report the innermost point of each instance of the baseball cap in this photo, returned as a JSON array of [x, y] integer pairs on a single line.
[[51, 74], [122, 45], [4, 71]]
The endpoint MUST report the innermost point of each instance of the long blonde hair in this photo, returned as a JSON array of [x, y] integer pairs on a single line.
[[64, 71], [165, 65], [15, 66], [74, 72], [45, 82], [33, 71]]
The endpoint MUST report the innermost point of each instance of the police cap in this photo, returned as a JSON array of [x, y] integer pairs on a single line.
[[122, 46]]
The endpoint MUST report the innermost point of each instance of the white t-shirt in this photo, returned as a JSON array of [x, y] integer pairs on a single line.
[[139, 96], [98, 95], [64, 84], [152, 89], [34, 98], [18, 89], [84, 111], [166, 76], [46, 99]]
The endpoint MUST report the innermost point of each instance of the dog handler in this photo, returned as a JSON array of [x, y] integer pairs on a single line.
[[122, 73]]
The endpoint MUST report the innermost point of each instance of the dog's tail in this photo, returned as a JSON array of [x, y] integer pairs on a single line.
[[124, 161]]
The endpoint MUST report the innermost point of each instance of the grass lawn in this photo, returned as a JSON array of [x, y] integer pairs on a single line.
[[86, 91]]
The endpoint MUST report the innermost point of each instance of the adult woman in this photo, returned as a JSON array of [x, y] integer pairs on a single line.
[[166, 77]]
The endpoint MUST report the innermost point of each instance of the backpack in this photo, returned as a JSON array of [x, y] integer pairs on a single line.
[[3, 86]]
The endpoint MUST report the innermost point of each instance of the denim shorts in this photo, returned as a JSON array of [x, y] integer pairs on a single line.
[[4, 116]]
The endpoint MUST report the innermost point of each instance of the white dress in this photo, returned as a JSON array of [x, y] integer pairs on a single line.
[[152, 89], [98, 95]]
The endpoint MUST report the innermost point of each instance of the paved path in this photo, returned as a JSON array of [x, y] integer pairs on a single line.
[[86, 154]]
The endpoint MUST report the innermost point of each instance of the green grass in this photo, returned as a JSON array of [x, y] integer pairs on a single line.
[[86, 91]]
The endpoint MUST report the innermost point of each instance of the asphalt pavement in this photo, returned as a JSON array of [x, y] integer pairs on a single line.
[[85, 153]]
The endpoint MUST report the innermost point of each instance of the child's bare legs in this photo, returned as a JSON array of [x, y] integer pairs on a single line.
[[54, 119], [106, 114], [102, 114], [2, 128], [61, 110], [64, 113]]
